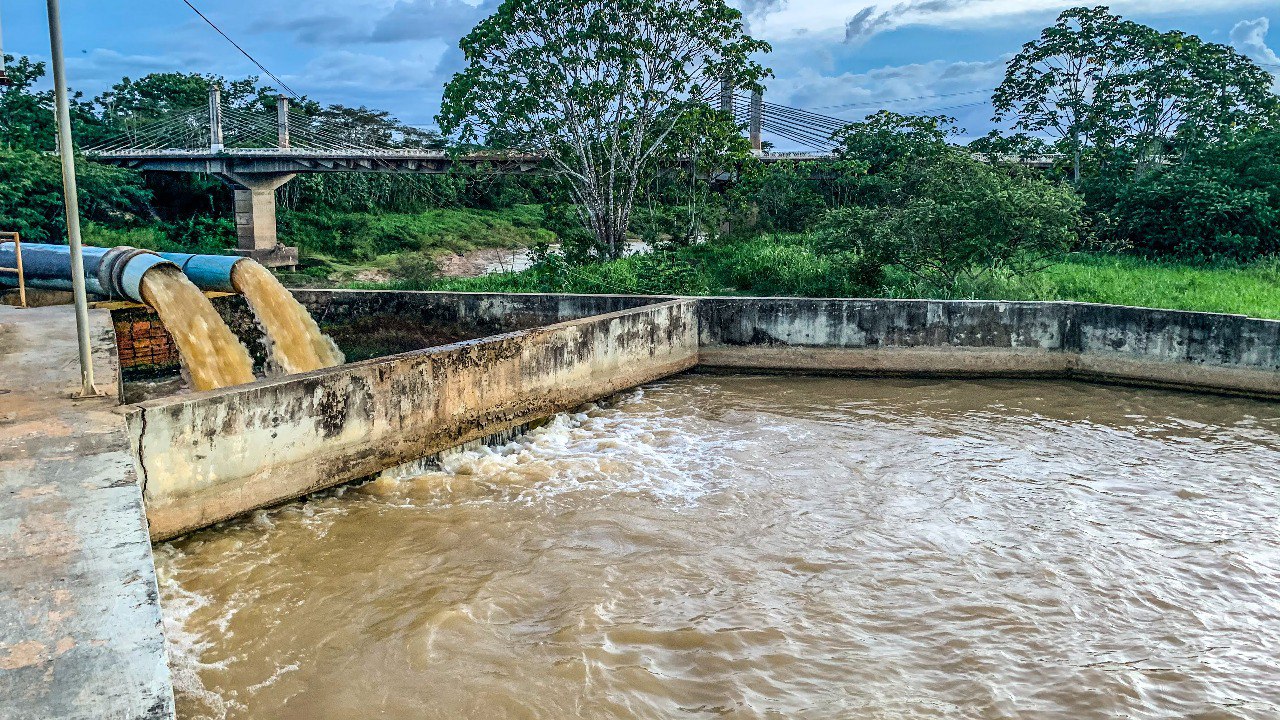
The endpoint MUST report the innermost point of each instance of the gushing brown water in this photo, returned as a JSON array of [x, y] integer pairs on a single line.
[[294, 341], [766, 547], [212, 355]]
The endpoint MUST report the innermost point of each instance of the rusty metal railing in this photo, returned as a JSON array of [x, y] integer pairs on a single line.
[[17, 269]]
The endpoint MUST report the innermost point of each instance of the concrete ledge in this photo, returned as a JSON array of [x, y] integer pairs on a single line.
[[212, 456], [80, 626], [1166, 348]]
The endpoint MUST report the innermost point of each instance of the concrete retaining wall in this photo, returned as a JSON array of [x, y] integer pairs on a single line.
[[211, 456], [1204, 351]]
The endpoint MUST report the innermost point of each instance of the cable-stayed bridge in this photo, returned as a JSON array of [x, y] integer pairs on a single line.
[[255, 153]]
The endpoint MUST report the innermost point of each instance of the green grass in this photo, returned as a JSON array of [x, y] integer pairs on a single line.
[[148, 237], [788, 266], [1246, 289]]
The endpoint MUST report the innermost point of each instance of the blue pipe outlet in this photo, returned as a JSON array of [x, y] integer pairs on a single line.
[[208, 272]]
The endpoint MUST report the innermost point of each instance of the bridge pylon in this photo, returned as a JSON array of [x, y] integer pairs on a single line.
[[255, 204]]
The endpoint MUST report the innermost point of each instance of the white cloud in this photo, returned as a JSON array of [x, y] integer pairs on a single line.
[[857, 20], [1250, 38]]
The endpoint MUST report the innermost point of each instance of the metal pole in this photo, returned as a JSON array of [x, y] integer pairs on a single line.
[[215, 119], [726, 94], [71, 197], [282, 120]]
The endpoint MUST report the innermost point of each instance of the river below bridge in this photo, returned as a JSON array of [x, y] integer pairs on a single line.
[[769, 547]]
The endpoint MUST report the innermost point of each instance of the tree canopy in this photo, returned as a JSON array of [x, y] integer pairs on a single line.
[[595, 87], [1094, 80]]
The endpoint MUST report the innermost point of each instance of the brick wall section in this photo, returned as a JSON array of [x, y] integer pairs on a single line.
[[144, 346]]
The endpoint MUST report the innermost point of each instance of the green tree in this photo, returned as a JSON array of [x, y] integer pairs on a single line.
[[31, 194], [26, 115], [595, 87], [1221, 203], [886, 139], [1067, 83], [683, 199], [1129, 93], [996, 147]]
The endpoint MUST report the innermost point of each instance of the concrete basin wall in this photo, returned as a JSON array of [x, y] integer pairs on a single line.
[[1200, 351], [884, 336], [211, 456]]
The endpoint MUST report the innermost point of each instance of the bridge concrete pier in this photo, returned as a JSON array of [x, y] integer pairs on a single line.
[[255, 209]]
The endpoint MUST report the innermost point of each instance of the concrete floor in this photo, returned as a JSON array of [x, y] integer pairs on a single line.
[[80, 623]]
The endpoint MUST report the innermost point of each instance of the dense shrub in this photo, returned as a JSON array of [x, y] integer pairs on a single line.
[[366, 236], [31, 195], [1223, 203]]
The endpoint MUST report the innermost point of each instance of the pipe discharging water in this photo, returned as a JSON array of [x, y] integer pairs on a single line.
[[295, 343], [212, 355]]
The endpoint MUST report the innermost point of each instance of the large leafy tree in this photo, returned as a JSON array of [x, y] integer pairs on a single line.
[[595, 87], [1067, 83], [1222, 203], [1125, 91]]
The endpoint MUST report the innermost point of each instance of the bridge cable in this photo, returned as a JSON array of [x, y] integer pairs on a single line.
[[263, 68]]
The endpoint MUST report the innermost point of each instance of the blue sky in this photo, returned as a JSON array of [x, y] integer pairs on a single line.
[[396, 54]]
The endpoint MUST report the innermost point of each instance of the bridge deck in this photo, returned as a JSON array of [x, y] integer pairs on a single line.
[[80, 624]]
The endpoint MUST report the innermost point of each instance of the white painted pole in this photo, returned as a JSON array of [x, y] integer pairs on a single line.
[[282, 121], [71, 198]]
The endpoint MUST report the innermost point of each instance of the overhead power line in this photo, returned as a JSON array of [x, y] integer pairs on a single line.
[[283, 85]]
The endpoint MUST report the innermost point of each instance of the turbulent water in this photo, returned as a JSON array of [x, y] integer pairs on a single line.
[[765, 547], [211, 354], [294, 341]]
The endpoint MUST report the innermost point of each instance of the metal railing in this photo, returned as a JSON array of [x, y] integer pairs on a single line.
[[17, 269]]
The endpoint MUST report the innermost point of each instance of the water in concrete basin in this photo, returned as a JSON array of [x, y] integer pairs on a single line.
[[294, 341], [211, 354], [768, 547]]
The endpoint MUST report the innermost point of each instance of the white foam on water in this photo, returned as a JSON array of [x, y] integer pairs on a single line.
[[186, 647], [601, 450]]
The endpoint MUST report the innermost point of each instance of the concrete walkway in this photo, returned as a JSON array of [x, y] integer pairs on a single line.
[[80, 625]]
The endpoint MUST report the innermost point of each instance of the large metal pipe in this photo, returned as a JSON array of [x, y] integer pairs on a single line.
[[109, 272], [208, 272]]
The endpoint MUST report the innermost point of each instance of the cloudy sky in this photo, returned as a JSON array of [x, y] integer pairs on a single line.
[[842, 57]]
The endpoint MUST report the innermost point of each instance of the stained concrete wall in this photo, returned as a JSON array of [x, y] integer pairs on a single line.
[[371, 323], [1197, 351], [1203, 351], [215, 455], [883, 336]]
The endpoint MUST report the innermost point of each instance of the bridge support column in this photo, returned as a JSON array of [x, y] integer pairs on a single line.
[[255, 197]]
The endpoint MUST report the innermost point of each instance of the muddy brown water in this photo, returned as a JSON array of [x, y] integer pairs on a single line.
[[295, 342], [765, 547], [211, 354]]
